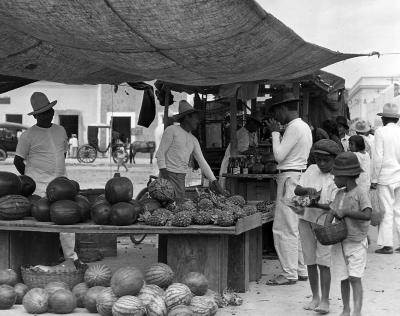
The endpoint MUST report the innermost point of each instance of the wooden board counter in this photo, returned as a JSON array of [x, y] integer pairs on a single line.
[[206, 249]]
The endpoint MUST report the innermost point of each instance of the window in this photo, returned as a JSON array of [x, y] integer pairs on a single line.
[[5, 100], [14, 118]]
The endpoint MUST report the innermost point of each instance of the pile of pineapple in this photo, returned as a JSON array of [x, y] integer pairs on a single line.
[[206, 209]]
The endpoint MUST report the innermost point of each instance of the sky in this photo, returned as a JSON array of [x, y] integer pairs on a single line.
[[348, 26]]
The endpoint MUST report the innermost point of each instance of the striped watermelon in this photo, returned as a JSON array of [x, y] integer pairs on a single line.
[[177, 294], [79, 291], [14, 207], [90, 298], [180, 310], [105, 301], [156, 307], [160, 274], [127, 281], [98, 275], [152, 289], [128, 306], [197, 283], [203, 306]]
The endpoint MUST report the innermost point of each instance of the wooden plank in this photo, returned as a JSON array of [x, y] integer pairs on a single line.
[[205, 254], [238, 262], [248, 223], [251, 176], [255, 254]]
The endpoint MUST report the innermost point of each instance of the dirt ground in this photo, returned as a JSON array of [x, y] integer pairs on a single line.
[[381, 281]]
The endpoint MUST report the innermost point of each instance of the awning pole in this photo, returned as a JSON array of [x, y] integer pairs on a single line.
[[233, 126], [166, 106]]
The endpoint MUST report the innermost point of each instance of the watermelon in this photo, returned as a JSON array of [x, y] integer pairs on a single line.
[[98, 275], [98, 200], [61, 188], [76, 185], [36, 301], [119, 189], [196, 282], [41, 210], [101, 213], [181, 310], [156, 307], [127, 281], [62, 302], [122, 214], [9, 183], [177, 294], [79, 292], [8, 296], [161, 190], [105, 301], [151, 289], [203, 306], [28, 185], [89, 300], [160, 274], [52, 287], [21, 289], [128, 306], [84, 203], [14, 207], [8, 276], [65, 212]]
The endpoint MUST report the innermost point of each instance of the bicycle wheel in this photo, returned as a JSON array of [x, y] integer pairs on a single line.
[[86, 154], [3, 154]]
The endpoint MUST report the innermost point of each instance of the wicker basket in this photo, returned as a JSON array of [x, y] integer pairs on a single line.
[[331, 234], [40, 279]]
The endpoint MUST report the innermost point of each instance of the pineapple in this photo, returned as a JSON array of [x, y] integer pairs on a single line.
[[182, 219], [201, 218]]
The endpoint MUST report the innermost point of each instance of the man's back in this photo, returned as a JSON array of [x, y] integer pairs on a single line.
[[386, 154]]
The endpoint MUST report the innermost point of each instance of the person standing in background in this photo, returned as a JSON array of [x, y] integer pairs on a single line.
[[73, 146], [363, 128], [40, 154], [386, 176], [291, 152], [343, 129]]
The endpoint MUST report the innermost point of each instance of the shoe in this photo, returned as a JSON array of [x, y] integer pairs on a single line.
[[385, 250], [280, 280], [302, 278], [80, 265], [397, 250]]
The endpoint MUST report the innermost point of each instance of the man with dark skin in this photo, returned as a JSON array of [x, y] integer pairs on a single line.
[[41, 153]]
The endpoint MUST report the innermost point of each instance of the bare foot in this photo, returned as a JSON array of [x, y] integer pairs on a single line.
[[345, 313], [312, 305], [322, 308]]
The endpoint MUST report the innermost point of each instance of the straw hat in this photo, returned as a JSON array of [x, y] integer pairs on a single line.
[[390, 110], [40, 103], [362, 127], [346, 164], [184, 109], [326, 147], [286, 98]]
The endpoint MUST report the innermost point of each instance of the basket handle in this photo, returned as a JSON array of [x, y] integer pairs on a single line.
[[319, 216]]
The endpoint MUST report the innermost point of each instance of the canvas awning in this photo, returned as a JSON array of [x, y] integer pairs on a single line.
[[202, 43]]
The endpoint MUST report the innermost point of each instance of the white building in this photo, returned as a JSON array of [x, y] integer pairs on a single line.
[[369, 94]]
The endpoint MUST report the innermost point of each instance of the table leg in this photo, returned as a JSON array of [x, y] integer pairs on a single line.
[[238, 269], [255, 254], [207, 254], [162, 248]]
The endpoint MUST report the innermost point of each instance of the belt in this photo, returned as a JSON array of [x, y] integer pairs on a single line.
[[291, 170]]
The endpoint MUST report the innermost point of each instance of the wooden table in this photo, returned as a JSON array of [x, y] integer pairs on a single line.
[[221, 253]]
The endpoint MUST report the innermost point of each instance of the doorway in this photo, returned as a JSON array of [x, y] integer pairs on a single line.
[[122, 125], [70, 123]]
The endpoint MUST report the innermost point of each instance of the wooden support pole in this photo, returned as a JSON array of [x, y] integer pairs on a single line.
[[166, 106], [306, 103], [253, 106], [233, 127]]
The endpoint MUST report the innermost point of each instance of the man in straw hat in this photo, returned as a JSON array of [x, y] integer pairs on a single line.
[[386, 175], [246, 138], [363, 128], [176, 147], [41, 154], [291, 152]]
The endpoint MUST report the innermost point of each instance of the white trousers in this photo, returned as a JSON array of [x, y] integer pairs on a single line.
[[389, 201], [286, 229]]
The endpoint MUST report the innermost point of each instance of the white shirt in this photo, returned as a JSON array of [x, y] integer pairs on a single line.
[[369, 143], [315, 178], [175, 149], [345, 142], [73, 142], [43, 150], [293, 150], [386, 155], [365, 162]]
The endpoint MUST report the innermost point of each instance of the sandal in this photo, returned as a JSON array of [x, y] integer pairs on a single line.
[[385, 250], [280, 280], [397, 250]]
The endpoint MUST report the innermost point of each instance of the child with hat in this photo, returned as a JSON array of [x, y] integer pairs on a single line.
[[352, 203], [318, 180]]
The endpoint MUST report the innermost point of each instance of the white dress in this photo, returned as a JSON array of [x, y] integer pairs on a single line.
[[365, 163]]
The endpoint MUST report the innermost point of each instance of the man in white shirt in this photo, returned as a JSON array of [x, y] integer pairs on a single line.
[[177, 145], [386, 175], [246, 138], [343, 129], [363, 128], [291, 152], [73, 143], [40, 154]]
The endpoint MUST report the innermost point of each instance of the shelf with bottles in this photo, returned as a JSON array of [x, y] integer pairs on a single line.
[[252, 164]]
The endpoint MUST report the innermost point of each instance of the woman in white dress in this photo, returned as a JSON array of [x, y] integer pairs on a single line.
[[357, 146]]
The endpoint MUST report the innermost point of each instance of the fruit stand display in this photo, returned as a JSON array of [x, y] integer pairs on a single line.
[[209, 234]]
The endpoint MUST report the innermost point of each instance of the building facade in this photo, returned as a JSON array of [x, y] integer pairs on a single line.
[[369, 94], [79, 106]]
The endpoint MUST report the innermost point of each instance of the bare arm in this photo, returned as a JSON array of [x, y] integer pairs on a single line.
[[299, 190], [364, 215], [19, 164]]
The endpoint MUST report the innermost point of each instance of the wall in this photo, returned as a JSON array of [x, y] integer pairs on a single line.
[[71, 99]]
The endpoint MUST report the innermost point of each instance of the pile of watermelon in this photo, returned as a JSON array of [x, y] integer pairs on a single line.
[[127, 291]]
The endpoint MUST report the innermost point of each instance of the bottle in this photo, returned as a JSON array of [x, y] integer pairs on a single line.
[[237, 167], [245, 168], [230, 166]]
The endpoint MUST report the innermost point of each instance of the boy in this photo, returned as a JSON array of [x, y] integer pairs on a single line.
[[317, 178], [352, 203], [121, 158]]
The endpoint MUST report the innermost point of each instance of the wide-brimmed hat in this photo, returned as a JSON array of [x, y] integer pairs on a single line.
[[184, 109], [287, 97], [362, 127], [346, 164], [390, 110], [40, 103], [326, 147], [341, 120]]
